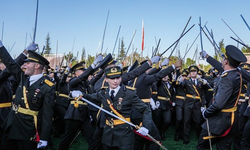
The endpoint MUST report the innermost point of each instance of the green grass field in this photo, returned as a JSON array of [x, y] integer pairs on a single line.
[[170, 144]]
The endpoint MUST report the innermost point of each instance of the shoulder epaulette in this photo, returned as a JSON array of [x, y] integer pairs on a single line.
[[187, 78], [104, 87], [225, 74], [131, 88], [48, 82]]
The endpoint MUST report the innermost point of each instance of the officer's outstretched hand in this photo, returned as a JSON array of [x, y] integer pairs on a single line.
[[67, 70], [42, 144], [76, 93], [32, 47], [157, 104], [152, 103], [203, 54], [203, 109], [1, 44], [155, 59], [98, 59], [143, 131], [165, 62], [178, 63]]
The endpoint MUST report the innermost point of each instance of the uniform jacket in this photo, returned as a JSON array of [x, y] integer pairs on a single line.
[[112, 136], [78, 83], [226, 95], [188, 85], [63, 88], [40, 97], [163, 91]]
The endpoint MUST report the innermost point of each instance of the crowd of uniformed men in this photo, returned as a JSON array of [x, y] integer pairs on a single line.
[[38, 101]]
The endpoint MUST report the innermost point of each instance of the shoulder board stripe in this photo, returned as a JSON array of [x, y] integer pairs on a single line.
[[48, 82], [131, 88], [225, 74]]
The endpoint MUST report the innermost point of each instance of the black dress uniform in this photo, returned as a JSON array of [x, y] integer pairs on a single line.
[[163, 115], [101, 84], [222, 113], [21, 123], [117, 134], [180, 96], [143, 85], [194, 100], [245, 142], [6, 92], [62, 102], [77, 115]]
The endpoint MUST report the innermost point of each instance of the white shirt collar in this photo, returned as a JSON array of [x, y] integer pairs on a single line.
[[34, 78], [116, 90], [228, 70]]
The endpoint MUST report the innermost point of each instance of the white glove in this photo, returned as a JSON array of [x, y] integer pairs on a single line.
[[204, 81], [56, 69], [155, 59], [152, 103], [32, 47], [165, 62], [76, 93], [180, 78], [173, 104], [143, 131], [42, 144], [98, 59], [67, 69], [203, 54], [157, 104], [1, 44], [203, 109]]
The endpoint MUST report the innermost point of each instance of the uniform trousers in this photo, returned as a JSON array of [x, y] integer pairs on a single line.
[[245, 142], [189, 113], [222, 143], [140, 142], [10, 144], [71, 129], [125, 147]]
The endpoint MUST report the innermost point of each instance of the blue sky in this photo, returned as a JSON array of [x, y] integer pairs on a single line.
[[84, 21]]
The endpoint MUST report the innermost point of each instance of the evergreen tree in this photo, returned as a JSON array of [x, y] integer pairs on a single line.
[[245, 49], [121, 53], [47, 47]]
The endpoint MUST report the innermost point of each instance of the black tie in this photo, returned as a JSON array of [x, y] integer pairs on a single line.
[[27, 82], [112, 95], [194, 82]]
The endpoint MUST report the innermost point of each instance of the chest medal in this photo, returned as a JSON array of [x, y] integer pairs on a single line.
[[119, 105]]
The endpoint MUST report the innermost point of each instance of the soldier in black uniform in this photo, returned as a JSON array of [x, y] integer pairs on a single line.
[[241, 107], [77, 116], [164, 99], [62, 101], [222, 114], [33, 94], [143, 87], [119, 99], [100, 83], [180, 96], [7, 88], [245, 142], [195, 99]]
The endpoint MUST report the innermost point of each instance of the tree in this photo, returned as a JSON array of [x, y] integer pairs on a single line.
[[47, 47], [121, 54], [90, 60], [69, 58], [245, 50], [83, 57]]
